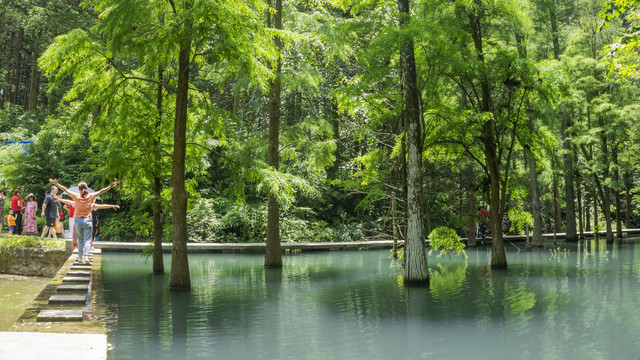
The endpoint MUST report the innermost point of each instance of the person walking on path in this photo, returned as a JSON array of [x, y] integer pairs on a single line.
[[50, 213], [30, 226], [82, 215], [17, 205]]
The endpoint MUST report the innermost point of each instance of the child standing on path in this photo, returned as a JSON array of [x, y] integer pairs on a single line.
[[11, 222], [30, 225]]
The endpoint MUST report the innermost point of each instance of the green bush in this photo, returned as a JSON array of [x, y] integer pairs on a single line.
[[446, 240]]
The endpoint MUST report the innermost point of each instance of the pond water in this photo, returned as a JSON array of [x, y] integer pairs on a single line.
[[16, 294], [578, 303]]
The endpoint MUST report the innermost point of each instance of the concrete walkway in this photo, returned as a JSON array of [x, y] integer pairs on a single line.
[[310, 246], [32, 345]]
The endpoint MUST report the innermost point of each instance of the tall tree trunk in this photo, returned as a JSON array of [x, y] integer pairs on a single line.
[[17, 71], [557, 223], [580, 207], [158, 261], [471, 207], [553, 19], [627, 184], [604, 190], [33, 78], [498, 254], [538, 240], [616, 180], [587, 211], [394, 217], [571, 233], [596, 218], [180, 278], [416, 270], [273, 252]]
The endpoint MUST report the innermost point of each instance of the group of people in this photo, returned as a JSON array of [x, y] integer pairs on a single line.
[[83, 220], [21, 218]]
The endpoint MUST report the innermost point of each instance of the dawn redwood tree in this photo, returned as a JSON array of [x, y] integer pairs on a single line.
[[416, 270], [273, 253]]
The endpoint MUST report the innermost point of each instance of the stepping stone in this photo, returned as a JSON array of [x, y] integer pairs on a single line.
[[68, 299], [60, 315], [73, 288], [75, 280], [80, 267], [78, 273]]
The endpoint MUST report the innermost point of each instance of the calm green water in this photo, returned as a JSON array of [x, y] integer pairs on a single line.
[[16, 294], [579, 304]]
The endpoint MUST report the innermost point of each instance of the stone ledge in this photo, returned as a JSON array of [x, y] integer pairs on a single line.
[[34, 262]]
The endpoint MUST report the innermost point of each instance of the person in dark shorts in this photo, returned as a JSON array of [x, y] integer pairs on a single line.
[[50, 212]]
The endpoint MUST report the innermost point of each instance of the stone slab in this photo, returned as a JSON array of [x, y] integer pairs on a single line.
[[73, 288], [80, 267], [60, 315], [50, 346], [68, 299], [78, 273], [75, 280]]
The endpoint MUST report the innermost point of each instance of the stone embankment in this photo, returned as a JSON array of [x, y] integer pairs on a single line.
[[34, 262]]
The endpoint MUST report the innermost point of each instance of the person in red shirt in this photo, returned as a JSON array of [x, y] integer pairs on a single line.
[[17, 204]]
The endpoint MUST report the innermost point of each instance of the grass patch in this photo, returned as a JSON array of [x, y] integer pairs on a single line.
[[9, 244]]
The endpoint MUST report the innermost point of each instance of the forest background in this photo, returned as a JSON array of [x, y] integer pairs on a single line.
[[528, 106]]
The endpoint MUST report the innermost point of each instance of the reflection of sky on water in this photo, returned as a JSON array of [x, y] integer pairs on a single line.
[[578, 303]]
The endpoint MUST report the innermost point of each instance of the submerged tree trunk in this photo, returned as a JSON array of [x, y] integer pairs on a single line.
[[273, 252], [416, 271], [180, 278], [492, 159]]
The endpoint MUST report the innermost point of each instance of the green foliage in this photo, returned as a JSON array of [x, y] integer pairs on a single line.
[[446, 241]]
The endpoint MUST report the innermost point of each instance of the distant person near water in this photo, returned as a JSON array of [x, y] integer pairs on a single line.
[[50, 213], [30, 225], [17, 204], [82, 216]]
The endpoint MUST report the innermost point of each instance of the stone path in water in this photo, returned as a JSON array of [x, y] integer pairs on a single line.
[[69, 303], [65, 326]]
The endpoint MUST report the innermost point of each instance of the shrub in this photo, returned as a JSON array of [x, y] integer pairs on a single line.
[[446, 240]]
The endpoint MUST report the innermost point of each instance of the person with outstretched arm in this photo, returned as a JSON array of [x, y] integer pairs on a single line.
[[82, 217], [94, 219]]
